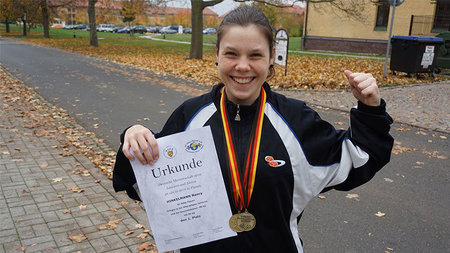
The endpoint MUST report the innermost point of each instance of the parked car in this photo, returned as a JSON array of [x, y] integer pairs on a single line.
[[168, 30], [209, 31], [80, 26], [105, 27], [154, 29], [57, 26], [138, 29], [187, 30], [125, 29], [67, 27], [117, 28]]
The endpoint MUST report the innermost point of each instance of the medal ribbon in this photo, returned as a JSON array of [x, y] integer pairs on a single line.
[[242, 191]]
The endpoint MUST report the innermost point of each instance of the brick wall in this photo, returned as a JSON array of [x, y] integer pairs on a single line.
[[345, 45]]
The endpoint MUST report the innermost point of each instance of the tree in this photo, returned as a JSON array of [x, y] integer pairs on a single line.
[[45, 16], [197, 7], [8, 12], [351, 8], [93, 40]]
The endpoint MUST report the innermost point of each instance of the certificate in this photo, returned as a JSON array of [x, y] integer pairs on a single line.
[[183, 192]]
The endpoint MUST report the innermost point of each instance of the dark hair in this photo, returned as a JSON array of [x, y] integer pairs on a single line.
[[245, 16]]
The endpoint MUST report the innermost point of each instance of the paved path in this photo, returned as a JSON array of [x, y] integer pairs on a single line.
[[424, 105], [48, 193]]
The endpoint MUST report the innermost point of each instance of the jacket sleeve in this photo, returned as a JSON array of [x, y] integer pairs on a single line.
[[369, 130], [340, 159]]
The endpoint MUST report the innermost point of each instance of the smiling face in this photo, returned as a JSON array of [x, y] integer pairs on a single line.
[[244, 58]]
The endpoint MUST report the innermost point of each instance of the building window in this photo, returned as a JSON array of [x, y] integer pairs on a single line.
[[382, 14], [442, 15]]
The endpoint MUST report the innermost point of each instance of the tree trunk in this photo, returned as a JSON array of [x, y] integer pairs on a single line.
[[7, 25], [93, 40], [196, 51], [45, 18], [24, 20]]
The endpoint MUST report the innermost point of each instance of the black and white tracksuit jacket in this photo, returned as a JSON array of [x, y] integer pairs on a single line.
[[313, 154]]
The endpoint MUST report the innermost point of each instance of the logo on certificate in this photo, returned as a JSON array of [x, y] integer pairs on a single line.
[[194, 146], [169, 152]]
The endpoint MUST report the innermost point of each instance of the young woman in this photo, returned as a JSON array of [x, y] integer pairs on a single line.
[[284, 150]]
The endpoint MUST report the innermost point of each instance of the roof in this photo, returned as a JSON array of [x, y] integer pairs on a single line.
[[176, 11], [295, 9]]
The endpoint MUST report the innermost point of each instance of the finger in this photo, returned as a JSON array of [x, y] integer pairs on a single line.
[[145, 149], [366, 83], [347, 73], [153, 145], [137, 152], [361, 77], [126, 151]]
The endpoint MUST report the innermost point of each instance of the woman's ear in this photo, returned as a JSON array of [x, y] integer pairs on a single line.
[[272, 58]]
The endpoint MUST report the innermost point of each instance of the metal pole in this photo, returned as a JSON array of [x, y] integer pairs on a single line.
[[389, 40]]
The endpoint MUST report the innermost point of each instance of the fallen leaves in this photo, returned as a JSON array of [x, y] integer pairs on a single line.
[[83, 172], [75, 188], [380, 214], [49, 121], [142, 235], [67, 153], [352, 196], [23, 248], [317, 72], [398, 149], [124, 203], [129, 232], [147, 247], [82, 207], [56, 180], [77, 238], [112, 223], [434, 154], [388, 180]]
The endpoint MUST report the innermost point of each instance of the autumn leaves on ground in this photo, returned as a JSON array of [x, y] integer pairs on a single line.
[[304, 72]]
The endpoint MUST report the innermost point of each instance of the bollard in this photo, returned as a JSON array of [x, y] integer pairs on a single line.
[[74, 34], [164, 35]]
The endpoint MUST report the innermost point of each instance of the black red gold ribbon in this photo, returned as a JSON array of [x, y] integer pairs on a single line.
[[243, 190]]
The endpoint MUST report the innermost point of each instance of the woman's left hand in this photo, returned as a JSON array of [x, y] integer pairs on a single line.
[[364, 88]]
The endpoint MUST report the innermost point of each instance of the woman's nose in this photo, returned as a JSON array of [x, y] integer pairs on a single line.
[[243, 64]]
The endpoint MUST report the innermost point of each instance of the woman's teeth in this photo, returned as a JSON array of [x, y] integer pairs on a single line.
[[243, 80]]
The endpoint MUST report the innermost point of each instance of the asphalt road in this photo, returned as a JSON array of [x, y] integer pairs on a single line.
[[412, 190]]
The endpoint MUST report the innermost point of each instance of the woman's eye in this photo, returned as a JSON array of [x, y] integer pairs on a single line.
[[230, 53]]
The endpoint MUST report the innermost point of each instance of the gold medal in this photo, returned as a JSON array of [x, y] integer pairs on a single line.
[[241, 222], [246, 221], [234, 224]]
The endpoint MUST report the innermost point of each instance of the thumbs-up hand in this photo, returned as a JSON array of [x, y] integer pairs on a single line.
[[364, 88]]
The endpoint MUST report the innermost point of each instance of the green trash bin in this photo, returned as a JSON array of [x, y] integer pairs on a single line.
[[443, 58], [414, 54]]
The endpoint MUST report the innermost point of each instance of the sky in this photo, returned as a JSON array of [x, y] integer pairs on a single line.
[[220, 9]]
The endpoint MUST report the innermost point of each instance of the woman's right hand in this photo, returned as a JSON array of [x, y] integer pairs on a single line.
[[138, 138]]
